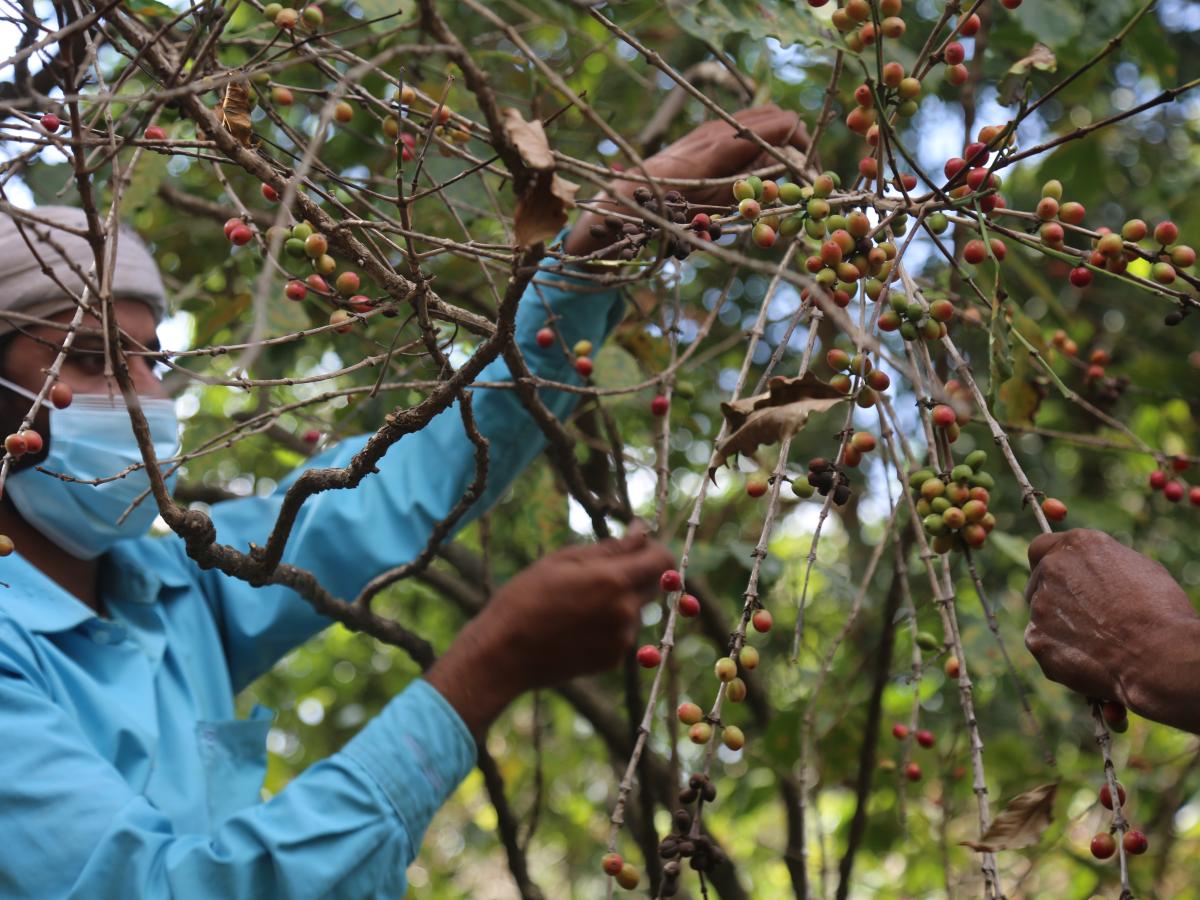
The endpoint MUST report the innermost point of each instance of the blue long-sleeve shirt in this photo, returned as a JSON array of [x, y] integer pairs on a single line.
[[124, 773]]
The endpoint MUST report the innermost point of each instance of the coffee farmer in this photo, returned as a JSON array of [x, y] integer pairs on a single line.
[[123, 770]]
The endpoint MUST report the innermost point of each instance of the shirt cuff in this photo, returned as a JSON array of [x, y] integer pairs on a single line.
[[417, 750]]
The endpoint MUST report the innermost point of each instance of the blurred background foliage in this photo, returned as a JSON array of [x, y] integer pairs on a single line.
[[559, 772]]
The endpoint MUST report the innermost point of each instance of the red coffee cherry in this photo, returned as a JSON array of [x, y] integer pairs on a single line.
[[925, 738], [670, 581], [1106, 796], [899, 732], [649, 656], [1103, 845], [1135, 842]]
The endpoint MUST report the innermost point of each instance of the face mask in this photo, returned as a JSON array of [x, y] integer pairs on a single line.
[[92, 438]]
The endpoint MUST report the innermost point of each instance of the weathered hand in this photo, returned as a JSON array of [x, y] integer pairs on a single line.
[[574, 612], [1108, 622], [712, 150]]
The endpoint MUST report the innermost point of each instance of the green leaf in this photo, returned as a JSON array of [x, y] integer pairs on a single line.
[[1054, 24], [715, 20], [391, 13]]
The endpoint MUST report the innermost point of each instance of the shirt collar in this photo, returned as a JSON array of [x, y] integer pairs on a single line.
[[39, 604]]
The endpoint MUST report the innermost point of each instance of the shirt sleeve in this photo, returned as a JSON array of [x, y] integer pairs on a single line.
[[346, 537], [345, 829]]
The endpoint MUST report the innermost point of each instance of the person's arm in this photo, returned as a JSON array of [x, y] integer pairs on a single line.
[[347, 537], [349, 825], [346, 828], [1108, 622]]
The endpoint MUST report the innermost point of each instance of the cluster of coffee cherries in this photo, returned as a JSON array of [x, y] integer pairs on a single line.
[[924, 738], [303, 242], [845, 365], [701, 853], [955, 506], [1104, 844], [20, 443], [756, 200], [1171, 486], [824, 477]]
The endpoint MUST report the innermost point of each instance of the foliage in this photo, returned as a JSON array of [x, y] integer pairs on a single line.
[[805, 720]]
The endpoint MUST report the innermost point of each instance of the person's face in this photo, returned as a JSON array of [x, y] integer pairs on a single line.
[[30, 355]]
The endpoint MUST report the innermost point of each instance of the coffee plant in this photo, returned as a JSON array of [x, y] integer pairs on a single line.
[[954, 308]]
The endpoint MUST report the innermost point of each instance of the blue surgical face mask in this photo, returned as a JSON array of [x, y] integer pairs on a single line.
[[90, 439]]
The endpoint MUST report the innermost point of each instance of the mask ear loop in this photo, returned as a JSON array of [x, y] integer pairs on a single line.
[[23, 392]]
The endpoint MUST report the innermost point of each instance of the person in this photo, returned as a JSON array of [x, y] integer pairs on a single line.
[[1112, 624], [124, 772]]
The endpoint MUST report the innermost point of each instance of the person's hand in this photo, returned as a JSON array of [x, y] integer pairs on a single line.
[[712, 150], [574, 612], [1108, 622]]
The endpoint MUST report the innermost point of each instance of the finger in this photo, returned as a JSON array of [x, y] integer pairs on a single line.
[[640, 571], [1031, 589], [1044, 544]]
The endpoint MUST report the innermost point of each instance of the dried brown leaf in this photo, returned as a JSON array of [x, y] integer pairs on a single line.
[[782, 411], [542, 211], [1020, 823], [530, 140], [234, 112]]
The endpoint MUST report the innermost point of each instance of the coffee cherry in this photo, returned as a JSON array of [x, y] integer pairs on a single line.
[[952, 668], [670, 581], [1081, 277], [629, 877], [659, 405], [970, 25], [312, 436], [1106, 796], [733, 738], [240, 235], [33, 441], [1166, 233], [343, 112], [764, 235], [61, 395], [975, 252], [899, 732], [762, 621], [688, 606], [944, 416], [1072, 213], [725, 669], [756, 485], [1103, 845], [50, 122], [700, 733], [544, 337], [282, 96], [1054, 509], [287, 18], [912, 772], [341, 320], [649, 656], [347, 283], [15, 445], [957, 75], [735, 691], [749, 209], [1183, 257], [1173, 491], [863, 441], [954, 53], [748, 657], [154, 133], [1135, 843], [1194, 496], [1115, 716], [925, 738], [583, 365], [612, 863], [6, 545], [689, 713], [582, 348], [295, 290]]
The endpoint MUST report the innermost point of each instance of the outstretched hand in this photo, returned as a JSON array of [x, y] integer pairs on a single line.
[[1108, 622], [712, 150], [574, 612]]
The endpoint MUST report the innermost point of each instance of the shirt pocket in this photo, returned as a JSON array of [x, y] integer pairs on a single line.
[[234, 755]]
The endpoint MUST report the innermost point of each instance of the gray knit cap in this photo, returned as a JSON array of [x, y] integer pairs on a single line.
[[27, 289]]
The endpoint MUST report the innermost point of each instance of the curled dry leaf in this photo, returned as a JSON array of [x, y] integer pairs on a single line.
[[1020, 823], [782, 411], [542, 207], [1040, 59], [234, 112]]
